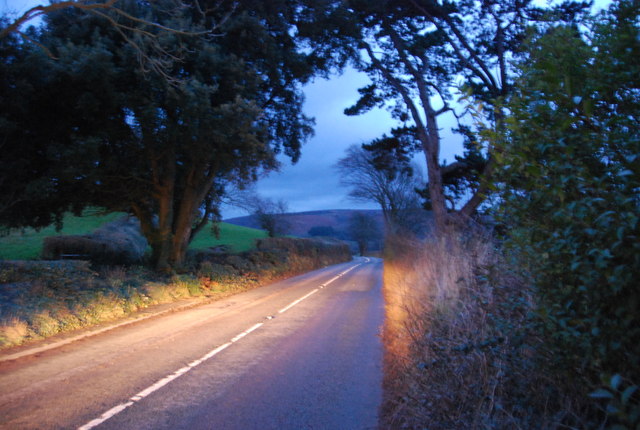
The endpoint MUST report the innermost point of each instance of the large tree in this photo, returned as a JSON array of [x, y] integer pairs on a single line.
[[418, 53], [163, 142]]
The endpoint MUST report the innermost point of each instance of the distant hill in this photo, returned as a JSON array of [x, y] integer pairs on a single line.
[[300, 223], [336, 223]]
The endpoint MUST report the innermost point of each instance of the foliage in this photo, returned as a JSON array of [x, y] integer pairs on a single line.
[[622, 402], [460, 351], [363, 229], [161, 142], [418, 54], [568, 179], [35, 191]]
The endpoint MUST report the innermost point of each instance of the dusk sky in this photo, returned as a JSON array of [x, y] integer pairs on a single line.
[[312, 183]]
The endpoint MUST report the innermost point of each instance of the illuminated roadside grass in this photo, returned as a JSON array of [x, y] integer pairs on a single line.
[[459, 350], [42, 299]]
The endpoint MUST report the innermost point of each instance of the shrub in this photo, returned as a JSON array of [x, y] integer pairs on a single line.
[[569, 175], [118, 242], [461, 346]]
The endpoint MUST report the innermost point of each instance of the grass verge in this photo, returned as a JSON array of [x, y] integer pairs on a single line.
[[43, 298]]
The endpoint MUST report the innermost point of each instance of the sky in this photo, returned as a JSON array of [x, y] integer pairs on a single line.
[[312, 183]]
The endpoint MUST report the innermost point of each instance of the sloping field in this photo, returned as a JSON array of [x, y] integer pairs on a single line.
[[301, 222], [27, 244]]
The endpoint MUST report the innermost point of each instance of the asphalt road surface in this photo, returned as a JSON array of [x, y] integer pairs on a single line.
[[300, 354]]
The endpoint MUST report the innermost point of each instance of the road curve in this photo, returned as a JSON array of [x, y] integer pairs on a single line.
[[298, 354]]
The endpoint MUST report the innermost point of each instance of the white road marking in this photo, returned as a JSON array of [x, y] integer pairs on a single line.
[[111, 412], [246, 332], [292, 304], [164, 381]]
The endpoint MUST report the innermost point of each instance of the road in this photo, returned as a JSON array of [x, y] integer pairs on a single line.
[[303, 353]]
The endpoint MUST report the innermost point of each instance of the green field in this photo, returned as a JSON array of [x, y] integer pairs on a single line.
[[237, 237], [27, 244]]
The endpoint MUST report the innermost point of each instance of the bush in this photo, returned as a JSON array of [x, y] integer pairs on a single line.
[[461, 346], [117, 242], [569, 175]]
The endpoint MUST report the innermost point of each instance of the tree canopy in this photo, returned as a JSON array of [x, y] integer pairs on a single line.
[[418, 55]]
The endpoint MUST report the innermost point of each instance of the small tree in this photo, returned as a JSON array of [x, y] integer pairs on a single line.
[[268, 213], [363, 229], [393, 188], [271, 216]]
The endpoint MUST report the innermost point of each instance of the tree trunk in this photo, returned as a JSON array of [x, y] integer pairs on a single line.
[[191, 200], [182, 228], [430, 138], [161, 249]]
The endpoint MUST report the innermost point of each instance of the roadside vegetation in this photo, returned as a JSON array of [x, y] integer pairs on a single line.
[[531, 321], [44, 298], [458, 349]]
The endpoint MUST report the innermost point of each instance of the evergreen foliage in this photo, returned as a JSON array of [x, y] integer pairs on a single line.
[[155, 122], [569, 181]]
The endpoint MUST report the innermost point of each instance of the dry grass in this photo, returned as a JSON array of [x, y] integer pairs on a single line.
[[460, 348]]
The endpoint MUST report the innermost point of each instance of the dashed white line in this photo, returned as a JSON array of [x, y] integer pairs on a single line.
[[292, 304], [164, 381], [246, 332], [161, 383]]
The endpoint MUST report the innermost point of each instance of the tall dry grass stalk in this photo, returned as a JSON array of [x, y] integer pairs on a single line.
[[460, 351]]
